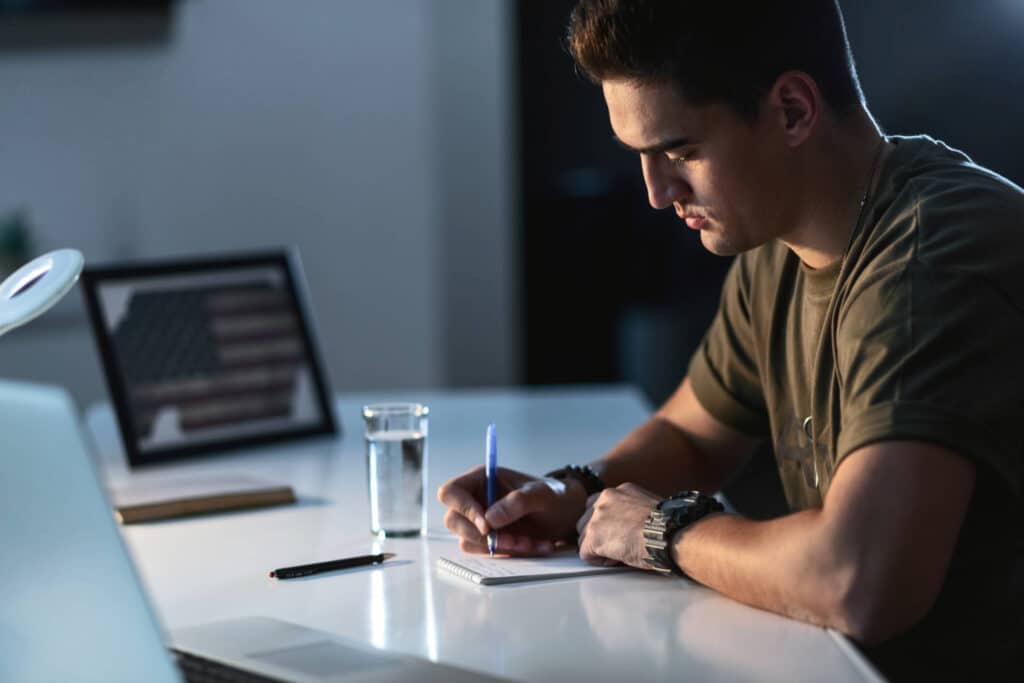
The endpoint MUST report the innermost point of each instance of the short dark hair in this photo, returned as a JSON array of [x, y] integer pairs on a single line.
[[728, 51]]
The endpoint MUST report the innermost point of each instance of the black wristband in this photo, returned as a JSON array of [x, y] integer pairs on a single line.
[[583, 474]]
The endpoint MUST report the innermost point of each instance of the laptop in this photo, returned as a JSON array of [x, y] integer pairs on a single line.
[[72, 607]]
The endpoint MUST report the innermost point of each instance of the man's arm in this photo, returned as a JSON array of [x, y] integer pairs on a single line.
[[681, 447], [870, 563]]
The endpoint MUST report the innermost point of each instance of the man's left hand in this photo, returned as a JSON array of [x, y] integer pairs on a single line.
[[611, 529]]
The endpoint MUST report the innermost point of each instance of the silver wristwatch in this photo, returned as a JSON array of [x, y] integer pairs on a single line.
[[669, 516]]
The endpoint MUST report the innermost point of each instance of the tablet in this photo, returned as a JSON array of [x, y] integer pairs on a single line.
[[208, 355]]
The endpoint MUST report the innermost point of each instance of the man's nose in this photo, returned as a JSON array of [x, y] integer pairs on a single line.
[[664, 185]]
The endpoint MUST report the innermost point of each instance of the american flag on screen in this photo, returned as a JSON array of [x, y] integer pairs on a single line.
[[219, 356]]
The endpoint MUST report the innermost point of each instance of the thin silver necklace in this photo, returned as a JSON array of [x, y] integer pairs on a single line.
[[860, 209], [808, 422]]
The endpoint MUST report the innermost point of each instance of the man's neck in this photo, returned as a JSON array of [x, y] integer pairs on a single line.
[[836, 180]]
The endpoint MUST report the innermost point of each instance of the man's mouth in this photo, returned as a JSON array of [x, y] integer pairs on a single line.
[[695, 222], [693, 219]]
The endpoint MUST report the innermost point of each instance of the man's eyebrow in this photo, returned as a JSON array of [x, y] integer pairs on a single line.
[[666, 145]]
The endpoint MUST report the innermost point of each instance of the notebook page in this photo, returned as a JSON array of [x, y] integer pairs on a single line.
[[482, 569], [523, 566]]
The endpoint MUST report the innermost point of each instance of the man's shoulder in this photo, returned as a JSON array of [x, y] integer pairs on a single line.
[[938, 207], [945, 190]]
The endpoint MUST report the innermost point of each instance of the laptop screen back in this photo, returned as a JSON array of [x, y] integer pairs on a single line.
[[71, 605]]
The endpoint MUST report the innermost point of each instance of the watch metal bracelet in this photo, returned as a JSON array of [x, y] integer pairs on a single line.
[[656, 542], [666, 518]]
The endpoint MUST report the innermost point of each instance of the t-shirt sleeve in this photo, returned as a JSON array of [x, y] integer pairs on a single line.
[[724, 372], [933, 354]]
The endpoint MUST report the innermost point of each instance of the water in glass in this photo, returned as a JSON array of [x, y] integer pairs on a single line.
[[396, 467]]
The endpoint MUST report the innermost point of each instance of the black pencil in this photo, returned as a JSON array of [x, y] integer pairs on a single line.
[[328, 566]]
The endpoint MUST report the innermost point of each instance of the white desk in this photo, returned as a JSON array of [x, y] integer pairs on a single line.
[[634, 626]]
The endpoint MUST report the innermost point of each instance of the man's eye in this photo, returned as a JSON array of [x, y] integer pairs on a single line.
[[678, 157]]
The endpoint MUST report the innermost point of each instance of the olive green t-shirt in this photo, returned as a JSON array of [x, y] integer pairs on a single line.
[[916, 334]]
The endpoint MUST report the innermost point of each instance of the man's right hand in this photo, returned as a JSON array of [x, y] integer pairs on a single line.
[[531, 516]]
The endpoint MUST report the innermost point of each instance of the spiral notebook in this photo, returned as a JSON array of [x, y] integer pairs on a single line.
[[489, 571]]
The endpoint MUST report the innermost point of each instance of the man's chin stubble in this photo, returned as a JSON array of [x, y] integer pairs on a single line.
[[717, 244]]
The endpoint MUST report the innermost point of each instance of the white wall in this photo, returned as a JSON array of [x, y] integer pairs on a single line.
[[375, 136]]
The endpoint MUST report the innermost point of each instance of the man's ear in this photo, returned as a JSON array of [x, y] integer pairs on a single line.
[[795, 103]]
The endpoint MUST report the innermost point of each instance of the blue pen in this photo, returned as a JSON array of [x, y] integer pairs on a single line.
[[491, 472]]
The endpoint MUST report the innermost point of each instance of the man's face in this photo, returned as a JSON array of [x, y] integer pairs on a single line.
[[723, 176]]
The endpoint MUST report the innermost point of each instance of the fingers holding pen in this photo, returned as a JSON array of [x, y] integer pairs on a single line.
[[511, 545], [457, 523], [467, 519], [507, 514], [465, 494], [472, 541], [457, 495], [533, 496], [531, 518]]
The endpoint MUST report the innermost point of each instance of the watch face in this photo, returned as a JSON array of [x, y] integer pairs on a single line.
[[673, 504]]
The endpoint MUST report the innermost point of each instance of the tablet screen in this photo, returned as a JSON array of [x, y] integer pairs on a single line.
[[207, 356]]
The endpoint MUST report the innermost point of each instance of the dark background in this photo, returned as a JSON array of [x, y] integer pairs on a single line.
[[616, 291]]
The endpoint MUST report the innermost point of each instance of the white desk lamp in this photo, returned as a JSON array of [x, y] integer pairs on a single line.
[[31, 290]]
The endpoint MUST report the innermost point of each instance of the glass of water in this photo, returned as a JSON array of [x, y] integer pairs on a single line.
[[396, 467]]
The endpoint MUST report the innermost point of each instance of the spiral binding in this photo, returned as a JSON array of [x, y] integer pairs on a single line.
[[459, 570]]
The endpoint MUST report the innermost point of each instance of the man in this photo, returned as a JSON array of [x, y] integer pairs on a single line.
[[870, 326]]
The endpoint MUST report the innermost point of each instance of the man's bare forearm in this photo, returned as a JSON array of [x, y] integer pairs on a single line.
[[785, 565], [870, 563], [658, 456]]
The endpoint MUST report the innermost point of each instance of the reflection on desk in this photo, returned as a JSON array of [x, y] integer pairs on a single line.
[[719, 638]]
